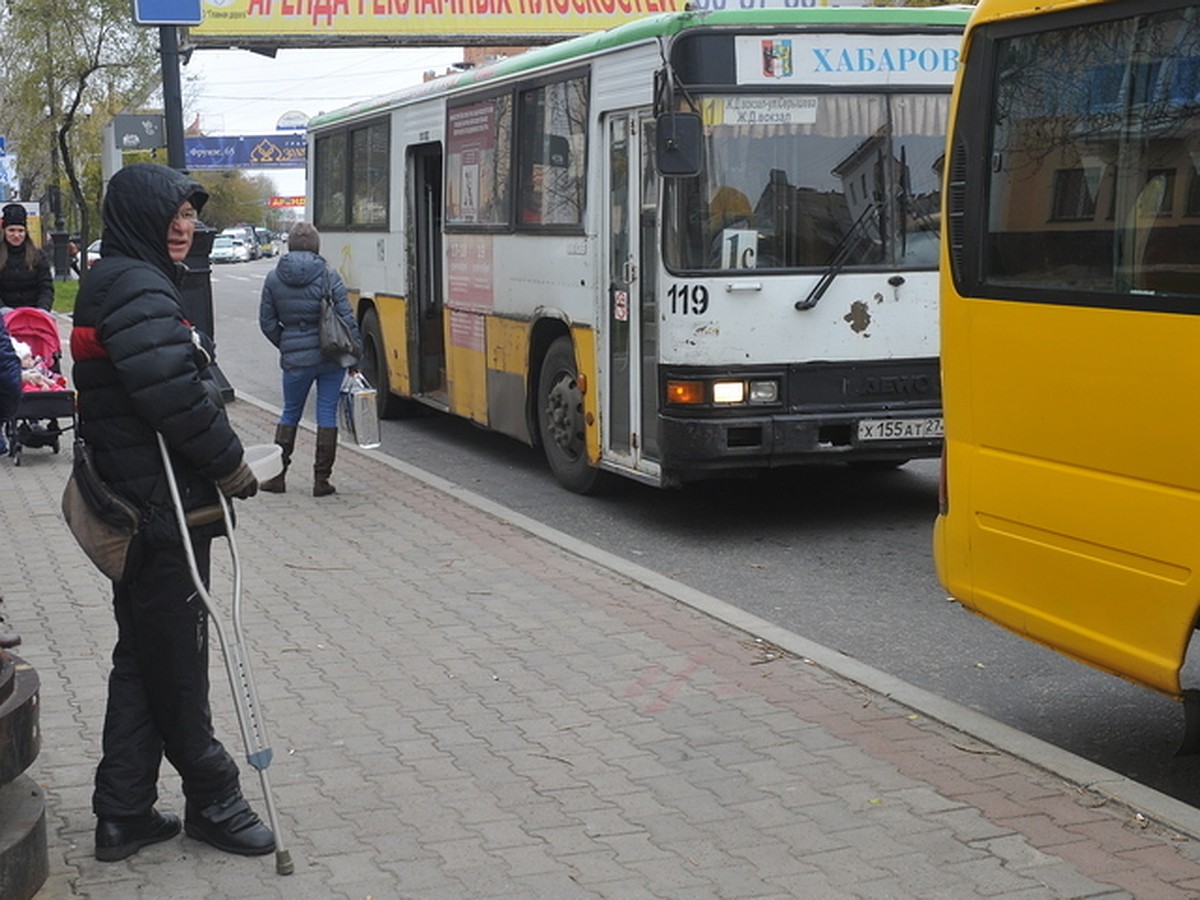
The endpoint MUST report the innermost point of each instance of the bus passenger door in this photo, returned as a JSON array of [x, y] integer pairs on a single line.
[[629, 332], [426, 350]]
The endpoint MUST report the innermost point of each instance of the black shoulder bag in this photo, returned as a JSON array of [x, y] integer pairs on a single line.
[[337, 340]]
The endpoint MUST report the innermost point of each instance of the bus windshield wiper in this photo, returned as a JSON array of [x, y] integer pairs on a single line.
[[841, 255]]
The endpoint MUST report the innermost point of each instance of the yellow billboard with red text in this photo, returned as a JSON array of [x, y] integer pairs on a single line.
[[360, 22]]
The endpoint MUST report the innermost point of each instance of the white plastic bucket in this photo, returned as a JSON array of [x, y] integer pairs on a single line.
[[264, 460]]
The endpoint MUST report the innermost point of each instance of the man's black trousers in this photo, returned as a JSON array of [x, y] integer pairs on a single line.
[[158, 691]]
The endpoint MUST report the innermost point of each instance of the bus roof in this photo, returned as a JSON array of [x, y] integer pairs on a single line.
[[1003, 9], [663, 25]]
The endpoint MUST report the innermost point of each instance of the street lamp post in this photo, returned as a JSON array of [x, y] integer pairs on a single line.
[[59, 237]]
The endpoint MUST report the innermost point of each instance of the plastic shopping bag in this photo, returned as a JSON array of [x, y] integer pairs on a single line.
[[357, 416]]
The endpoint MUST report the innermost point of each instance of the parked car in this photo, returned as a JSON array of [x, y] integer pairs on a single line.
[[227, 248], [93, 253]]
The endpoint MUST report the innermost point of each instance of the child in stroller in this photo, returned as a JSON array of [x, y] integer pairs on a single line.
[[45, 396]]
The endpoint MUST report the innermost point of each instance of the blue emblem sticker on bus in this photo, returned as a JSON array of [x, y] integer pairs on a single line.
[[777, 58]]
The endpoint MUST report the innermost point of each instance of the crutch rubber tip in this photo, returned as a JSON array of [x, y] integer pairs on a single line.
[[283, 863]]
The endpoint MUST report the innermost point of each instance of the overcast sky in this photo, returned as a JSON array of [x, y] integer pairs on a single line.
[[239, 92]]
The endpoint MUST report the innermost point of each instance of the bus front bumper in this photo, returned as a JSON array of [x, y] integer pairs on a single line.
[[695, 446]]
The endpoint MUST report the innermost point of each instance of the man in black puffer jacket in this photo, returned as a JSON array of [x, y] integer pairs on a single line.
[[140, 368]]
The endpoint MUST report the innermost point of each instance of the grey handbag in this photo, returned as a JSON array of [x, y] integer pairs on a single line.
[[106, 525]]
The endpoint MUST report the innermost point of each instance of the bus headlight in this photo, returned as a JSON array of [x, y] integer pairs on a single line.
[[729, 392], [734, 392], [723, 392], [764, 392]]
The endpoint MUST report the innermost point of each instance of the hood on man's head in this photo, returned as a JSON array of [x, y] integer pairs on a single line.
[[139, 205], [14, 214]]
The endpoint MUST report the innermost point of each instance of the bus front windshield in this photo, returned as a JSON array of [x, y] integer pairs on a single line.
[[850, 179]]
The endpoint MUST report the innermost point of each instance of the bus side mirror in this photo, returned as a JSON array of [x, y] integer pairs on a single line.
[[558, 152], [679, 138], [555, 152]]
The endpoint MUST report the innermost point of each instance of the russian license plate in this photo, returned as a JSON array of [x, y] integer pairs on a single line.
[[900, 429]]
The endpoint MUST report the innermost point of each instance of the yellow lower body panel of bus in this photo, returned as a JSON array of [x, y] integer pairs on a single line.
[[585, 359], [1121, 606], [489, 361], [1073, 512], [393, 314]]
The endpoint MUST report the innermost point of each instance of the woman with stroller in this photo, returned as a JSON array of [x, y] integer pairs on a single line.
[[289, 315], [140, 368], [25, 278]]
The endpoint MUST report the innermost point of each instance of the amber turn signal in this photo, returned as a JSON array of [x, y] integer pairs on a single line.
[[685, 392]]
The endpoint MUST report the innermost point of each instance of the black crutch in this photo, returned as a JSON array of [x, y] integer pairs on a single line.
[[241, 682]]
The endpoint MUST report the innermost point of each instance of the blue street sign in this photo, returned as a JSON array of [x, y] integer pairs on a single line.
[[3, 151], [167, 12]]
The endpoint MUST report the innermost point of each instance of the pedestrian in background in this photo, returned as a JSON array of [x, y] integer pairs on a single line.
[[25, 278], [290, 315], [140, 368]]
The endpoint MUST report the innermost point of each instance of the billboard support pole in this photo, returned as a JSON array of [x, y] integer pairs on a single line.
[[196, 289], [168, 46]]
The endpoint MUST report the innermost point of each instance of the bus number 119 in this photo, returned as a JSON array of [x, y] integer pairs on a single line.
[[688, 299]]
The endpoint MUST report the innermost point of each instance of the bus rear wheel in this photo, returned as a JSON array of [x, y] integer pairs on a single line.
[[561, 420], [374, 367]]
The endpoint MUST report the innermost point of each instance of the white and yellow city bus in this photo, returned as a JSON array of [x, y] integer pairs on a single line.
[[694, 244], [1071, 331]]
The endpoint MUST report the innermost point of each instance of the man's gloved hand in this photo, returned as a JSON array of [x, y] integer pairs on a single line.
[[241, 483]]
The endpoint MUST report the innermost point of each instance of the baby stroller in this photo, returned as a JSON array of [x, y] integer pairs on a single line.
[[46, 398]]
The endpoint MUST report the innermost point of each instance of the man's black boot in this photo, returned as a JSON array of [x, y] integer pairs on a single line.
[[229, 825], [118, 838]]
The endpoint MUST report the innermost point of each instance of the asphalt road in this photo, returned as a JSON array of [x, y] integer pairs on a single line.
[[838, 556]]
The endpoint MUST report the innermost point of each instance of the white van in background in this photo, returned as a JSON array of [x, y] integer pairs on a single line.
[[245, 234]]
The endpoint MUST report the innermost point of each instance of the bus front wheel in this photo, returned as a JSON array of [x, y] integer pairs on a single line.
[[561, 421]]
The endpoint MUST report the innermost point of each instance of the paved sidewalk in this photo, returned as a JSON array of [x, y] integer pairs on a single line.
[[465, 705]]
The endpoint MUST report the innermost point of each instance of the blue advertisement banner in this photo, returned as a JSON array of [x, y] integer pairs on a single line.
[[262, 151]]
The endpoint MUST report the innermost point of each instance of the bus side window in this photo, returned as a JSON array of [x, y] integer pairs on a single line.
[[550, 158]]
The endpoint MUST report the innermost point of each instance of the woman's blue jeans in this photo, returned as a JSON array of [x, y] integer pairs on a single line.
[[298, 382]]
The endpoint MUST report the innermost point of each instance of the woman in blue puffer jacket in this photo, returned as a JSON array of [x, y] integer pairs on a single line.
[[290, 315]]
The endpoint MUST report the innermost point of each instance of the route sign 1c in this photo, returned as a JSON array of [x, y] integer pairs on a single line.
[[167, 12]]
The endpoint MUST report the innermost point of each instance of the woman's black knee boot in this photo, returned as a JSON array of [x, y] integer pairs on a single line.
[[323, 467], [285, 437]]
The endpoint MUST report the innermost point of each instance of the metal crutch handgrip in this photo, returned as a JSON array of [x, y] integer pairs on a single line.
[[237, 667]]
